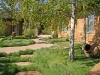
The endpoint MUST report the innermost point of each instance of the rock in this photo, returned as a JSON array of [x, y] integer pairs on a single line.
[[95, 70], [26, 56], [23, 63]]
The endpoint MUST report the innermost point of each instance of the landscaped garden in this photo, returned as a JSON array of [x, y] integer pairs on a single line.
[[67, 21], [48, 61]]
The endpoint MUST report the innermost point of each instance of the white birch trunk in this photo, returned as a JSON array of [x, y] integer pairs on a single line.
[[71, 50]]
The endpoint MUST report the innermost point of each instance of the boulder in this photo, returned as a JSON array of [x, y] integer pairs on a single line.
[[95, 70]]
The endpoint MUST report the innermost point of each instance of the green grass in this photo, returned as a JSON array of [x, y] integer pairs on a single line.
[[16, 42], [21, 37], [2, 36], [55, 40], [17, 37], [50, 61]]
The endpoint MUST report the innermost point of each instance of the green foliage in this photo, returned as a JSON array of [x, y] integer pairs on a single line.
[[46, 31], [93, 5], [15, 42], [42, 15], [29, 32], [67, 37], [2, 27]]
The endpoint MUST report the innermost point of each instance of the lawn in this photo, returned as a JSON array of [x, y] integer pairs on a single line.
[[49, 61]]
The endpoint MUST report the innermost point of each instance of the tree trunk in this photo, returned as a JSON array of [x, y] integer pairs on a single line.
[[84, 32], [71, 50]]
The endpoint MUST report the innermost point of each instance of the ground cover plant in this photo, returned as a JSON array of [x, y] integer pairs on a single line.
[[15, 42], [25, 37], [2, 36], [54, 40], [19, 37], [49, 61]]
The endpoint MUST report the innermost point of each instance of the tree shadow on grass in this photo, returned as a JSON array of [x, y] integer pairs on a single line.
[[80, 57], [87, 61], [8, 69], [1, 66]]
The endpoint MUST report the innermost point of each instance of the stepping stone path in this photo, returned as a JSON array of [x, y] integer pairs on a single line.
[[2, 57], [39, 44], [26, 56], [29, 73], [26, 64], [0, 72], [23, 63]]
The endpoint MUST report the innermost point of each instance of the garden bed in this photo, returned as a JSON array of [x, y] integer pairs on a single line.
[[15, 42]]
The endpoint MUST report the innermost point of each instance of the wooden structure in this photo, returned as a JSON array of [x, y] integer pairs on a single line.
[[92, 50]]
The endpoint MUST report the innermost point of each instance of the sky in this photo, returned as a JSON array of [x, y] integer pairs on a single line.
[[45, 0]]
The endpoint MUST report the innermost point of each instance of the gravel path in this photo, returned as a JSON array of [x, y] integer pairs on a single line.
[[39, 44]]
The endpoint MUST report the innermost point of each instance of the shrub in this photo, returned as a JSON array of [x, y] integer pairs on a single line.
[[46, 31], [67, 37], [2, 28], [29, 32]]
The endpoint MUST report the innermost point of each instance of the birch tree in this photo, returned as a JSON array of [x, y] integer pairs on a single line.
[[72, 29]]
